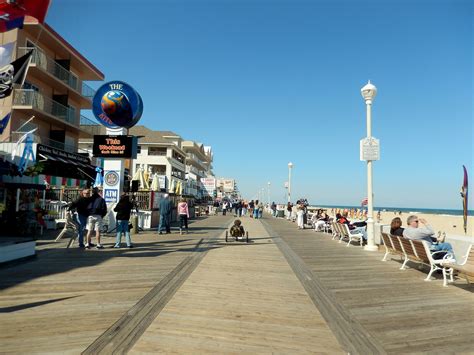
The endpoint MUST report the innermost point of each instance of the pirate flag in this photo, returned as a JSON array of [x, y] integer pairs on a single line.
[[13, 73]]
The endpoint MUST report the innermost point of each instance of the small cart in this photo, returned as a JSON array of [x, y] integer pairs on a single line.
[[237, 239]]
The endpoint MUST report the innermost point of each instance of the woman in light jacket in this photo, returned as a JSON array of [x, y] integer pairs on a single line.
[[183, 213]]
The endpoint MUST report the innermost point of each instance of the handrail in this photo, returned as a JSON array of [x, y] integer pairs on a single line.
[[41, 60], [90, 126], [27, 97]]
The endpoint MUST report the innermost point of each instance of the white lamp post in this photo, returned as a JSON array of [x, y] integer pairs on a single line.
[[268, 190], [290, 166], [368, 93]]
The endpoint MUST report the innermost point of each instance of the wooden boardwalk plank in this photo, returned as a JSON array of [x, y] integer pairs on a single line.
[[241, 298], [103, 286], [403, 313]]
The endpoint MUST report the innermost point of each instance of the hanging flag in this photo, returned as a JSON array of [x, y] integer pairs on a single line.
[[464, 198], [4, 122], [99, 179], [13, 73], [12, 13], [7, 24], [364, 202]]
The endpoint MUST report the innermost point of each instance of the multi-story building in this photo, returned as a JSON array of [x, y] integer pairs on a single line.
[[198, 166], [179, 164], [50, 101]]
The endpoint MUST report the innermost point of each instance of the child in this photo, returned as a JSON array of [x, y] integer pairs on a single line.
[[237, 230]]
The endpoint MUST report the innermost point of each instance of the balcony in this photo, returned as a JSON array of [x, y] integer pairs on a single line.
[[36, 101], [45, 64]]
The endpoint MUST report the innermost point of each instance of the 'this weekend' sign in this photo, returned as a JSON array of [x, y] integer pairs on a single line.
[[107, 146]]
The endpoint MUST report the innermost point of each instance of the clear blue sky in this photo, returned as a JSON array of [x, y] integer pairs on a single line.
[[269, 82]]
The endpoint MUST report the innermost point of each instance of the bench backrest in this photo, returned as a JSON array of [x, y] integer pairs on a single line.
[[386, 241], [337, 225], [396, 244], [420, 250], [408, 248]]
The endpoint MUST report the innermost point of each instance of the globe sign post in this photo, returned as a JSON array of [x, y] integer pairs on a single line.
[[117, 106]]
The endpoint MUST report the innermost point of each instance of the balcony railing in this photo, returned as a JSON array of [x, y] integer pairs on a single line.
[[41, 60], [90, 126], [45, 104]]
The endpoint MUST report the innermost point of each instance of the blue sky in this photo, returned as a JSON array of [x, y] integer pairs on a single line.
[[269, 82]]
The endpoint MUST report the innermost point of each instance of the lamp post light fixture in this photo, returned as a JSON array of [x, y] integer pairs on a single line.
[[290, 166], [369, 151]]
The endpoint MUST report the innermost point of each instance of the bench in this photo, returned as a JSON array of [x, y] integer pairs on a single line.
[[413, 250], [346, 233], [390, 248], [466, 268]]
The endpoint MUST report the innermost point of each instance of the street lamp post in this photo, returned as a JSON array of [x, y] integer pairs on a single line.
[[369, 92], [290, 166], [268, 184]]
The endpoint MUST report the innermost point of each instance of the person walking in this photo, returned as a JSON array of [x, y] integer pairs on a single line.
[[80, 205], [260, 210], [183, 212], [97, 210], [123, 209], [224, 207], [299, 216], [165, 214]]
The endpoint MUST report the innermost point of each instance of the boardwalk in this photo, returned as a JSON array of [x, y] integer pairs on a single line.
[[288, 291]]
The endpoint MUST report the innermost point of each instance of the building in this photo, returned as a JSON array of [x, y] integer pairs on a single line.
[[180, 164], [48, 105], [54, 93]]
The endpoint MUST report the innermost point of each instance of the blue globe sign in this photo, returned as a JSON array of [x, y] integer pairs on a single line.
[[117, 104]]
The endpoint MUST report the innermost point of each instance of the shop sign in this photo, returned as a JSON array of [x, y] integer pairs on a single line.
[[58, 153], [108, 146], [117, 104], [110, 195]]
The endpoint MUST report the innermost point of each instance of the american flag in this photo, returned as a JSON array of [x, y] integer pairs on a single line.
[[364, 202]]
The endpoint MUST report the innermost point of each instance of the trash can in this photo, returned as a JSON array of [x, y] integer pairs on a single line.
[[280, 213], [134, 221]]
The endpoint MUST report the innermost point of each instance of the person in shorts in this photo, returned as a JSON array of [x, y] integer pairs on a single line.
[[97, 209]]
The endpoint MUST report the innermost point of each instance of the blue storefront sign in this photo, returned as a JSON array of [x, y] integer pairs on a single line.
[[111, 195]]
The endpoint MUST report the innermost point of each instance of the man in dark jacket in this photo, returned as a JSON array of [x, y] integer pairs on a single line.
[[80, 205], [165, 214], [97, 210]]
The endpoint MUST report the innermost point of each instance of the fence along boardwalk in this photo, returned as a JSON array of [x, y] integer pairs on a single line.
[[396, 309]]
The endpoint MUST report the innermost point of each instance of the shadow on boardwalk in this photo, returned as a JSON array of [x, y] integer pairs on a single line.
[[53, 257]]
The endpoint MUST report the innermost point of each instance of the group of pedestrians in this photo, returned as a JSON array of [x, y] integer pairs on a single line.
[[166, 209], [91, 209]]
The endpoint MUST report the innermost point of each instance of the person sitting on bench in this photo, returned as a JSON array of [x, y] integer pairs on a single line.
[[237, 230]]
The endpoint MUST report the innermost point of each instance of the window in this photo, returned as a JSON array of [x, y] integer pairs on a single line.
[[178, 157], [157, 151], [177, 173], [139, 149], [160, 169]]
